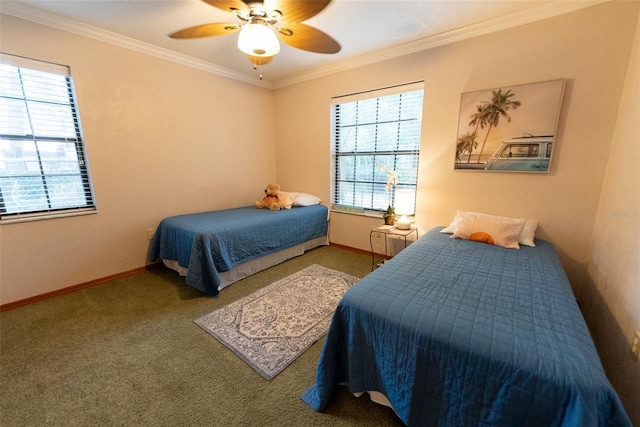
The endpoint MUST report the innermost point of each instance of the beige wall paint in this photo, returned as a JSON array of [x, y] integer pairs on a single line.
[[162, 139], [612, 291], [564, 201]]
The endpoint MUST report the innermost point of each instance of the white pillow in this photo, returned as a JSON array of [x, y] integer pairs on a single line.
[[304, 199], [495, 230], [528, 233], [453, 226]]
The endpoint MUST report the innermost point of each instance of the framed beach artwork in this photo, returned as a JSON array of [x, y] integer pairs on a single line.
[[510, 128]]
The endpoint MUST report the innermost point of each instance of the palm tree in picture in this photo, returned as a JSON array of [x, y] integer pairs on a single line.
[[466, 143], [490, 112], [469, 139]]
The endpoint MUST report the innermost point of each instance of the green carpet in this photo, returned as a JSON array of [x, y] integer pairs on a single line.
[[128, 353]]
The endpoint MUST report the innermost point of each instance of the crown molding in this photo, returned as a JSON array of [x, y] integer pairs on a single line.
[[538, 13], [39, 16], [543, 11]]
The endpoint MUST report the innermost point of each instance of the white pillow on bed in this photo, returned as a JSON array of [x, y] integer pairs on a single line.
[[304, 199], [453, 226], [527, 235], [494, 230]]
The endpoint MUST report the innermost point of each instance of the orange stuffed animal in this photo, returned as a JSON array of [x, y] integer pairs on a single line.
[[272, 199]]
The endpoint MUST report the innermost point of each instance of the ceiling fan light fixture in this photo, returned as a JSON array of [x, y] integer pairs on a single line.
[[258, 39]]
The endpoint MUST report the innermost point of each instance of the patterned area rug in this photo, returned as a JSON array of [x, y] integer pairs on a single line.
[[272, 327]]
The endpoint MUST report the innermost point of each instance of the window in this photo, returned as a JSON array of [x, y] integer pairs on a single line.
[[521, 150], [374, 132], [43, 167]]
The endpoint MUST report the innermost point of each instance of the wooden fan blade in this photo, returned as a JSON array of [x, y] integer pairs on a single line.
[[205, 30], [296, 10], [228, 5], [306, 37], [260, 60]]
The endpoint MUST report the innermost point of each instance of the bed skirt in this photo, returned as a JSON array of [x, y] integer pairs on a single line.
[[254, 266]]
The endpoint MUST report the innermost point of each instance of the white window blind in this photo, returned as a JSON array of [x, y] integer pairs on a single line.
[[370, 129], [43, 166]]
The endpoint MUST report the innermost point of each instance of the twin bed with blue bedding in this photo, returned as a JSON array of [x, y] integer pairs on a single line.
[[459, 333], [214, 249]]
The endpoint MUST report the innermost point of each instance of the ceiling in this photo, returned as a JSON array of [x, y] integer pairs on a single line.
[[367, 30]]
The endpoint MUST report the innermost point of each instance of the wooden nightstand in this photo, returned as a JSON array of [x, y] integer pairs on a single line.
[[387, 233]]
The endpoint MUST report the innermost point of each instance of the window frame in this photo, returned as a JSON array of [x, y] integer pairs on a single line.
[[63, 134], [407, 177]]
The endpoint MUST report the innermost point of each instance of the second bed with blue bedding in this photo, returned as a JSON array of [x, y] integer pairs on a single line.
[[215, 242], [461, 333]]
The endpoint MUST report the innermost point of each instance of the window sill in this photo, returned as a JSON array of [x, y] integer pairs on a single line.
[[53, 215], [367, 214]]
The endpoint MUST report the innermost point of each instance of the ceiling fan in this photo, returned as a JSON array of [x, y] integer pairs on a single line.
[[263, 22]]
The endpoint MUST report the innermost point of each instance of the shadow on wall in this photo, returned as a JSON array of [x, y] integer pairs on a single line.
[[614, 349]]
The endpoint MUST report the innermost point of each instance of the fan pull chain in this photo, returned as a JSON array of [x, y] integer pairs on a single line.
[[257, 65]]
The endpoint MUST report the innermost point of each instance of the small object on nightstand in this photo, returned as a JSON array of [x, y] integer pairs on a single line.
[[405, 200], [403, 223]]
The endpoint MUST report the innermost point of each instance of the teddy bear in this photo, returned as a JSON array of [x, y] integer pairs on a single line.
[[271, 199]]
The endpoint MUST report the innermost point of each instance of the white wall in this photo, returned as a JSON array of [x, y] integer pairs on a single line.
[[612, 293], [161, 139]]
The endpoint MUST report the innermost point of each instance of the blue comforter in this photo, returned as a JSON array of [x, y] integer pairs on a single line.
[[461, 333], [208, 243]]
